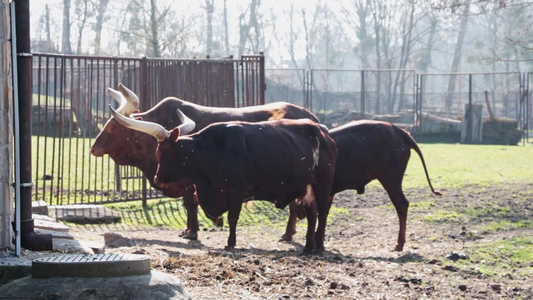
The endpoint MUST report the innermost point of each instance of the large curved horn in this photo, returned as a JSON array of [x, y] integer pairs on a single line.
[[128, 101], [154, 129], [187, 125], [132, 98]]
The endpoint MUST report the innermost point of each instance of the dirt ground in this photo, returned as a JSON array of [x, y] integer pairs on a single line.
[[359, 262]]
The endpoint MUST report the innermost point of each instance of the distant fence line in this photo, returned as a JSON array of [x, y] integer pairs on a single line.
[[71, 107]]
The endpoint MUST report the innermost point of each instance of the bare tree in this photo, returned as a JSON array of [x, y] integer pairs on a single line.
[[209, 9], [82, 12], [245, 26], [226, 29], [357, 14], [65, 43], [458, 50], [154, 30], [101, 8]]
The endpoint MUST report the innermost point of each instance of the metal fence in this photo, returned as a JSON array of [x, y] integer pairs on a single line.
[[405, 93], [70, 106], [504, 91]]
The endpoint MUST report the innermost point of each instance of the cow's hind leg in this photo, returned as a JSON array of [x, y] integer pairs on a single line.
[[290, 230], [395, 192], [296, 212]]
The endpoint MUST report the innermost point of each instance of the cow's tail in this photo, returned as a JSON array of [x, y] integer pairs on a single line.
[[412, 143]]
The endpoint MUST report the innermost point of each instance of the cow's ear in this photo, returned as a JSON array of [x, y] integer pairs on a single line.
[[174, 135]]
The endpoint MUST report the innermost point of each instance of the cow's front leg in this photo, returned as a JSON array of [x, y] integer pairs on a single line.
[[323, 211], [190, 201], [233, 217]]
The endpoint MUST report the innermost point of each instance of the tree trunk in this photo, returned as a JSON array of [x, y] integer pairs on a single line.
[[154, 41], [102, 7], [65, 44], [244, 33], [457, 55], [405, 54], [209, 8], [81, 27], [226, 29]]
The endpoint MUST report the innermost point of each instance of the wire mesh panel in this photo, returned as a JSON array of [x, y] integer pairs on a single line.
[[446, 94], [366, 91], [285, 85]]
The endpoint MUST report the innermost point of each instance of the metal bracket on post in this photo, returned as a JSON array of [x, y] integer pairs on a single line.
[[24, 185], [25, 54]]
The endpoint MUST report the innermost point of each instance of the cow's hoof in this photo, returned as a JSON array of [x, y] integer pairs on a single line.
[[286, 238], [307, 252], [318, 251], [398, 248], [230, 249], [186, 234]]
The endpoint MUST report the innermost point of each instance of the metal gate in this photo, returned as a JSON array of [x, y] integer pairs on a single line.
[[70, 106]]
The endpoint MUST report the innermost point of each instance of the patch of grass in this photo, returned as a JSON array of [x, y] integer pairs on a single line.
[[443, 216], [421, 205], [511, 257], [507, 225], [455, 165]]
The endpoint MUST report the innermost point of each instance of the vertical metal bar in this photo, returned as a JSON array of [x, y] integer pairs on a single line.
[[54, 133], [78, 128], [420, 102], [415, 103], [60, 133], [16, 128], [37, 160], [470, 121], [143, 94], [363, 92], [88, 113], [262, 84]]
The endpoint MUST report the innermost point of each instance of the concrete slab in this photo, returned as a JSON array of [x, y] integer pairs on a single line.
[[39, 207], [12, 268], [155, 285], [47, 223], [84, 213]]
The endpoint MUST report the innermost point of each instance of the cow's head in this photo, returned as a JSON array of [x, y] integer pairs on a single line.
[[114, 139], [168, 161]]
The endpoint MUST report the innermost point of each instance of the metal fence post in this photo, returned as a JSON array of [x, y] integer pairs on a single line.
[[363, 92], [144, 97]]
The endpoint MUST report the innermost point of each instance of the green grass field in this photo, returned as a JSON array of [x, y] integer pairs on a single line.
[[455, 165]]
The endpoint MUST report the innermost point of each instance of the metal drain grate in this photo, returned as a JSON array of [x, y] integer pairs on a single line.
[[94, 265]]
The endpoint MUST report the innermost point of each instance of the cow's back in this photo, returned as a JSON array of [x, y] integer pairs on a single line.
[[366, 151]]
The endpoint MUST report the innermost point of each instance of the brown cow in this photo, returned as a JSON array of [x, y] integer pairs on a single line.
[[369, 150], [231, 162], [134, 148]]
